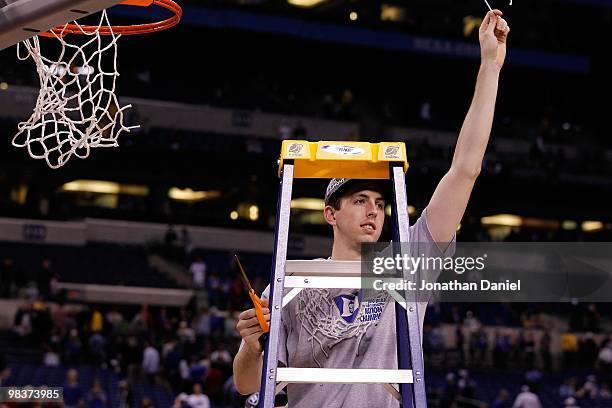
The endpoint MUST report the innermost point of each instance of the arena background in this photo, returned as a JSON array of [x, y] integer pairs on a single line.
[[96, 257]]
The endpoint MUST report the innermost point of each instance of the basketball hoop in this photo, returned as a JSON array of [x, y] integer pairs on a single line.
[[125, 30], [77, 108]]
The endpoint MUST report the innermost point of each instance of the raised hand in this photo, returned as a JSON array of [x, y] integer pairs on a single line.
[[493, 34]]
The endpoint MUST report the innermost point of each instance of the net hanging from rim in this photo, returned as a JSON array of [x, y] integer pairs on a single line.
[[77, 108]]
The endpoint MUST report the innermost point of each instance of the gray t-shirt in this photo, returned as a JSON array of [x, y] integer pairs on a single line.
[[345, 328]]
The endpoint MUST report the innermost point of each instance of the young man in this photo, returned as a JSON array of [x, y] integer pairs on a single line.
[[356, 329]]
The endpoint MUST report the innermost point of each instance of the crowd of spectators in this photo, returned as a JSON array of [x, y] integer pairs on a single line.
[[463, 388], [525, 340], [188, 351], [185, 352], [18, 280], [574, 371]]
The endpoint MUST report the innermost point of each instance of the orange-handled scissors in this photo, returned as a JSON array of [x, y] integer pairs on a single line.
[[254, 298]]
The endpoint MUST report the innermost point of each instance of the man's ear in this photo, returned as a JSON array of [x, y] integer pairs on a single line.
[[329, 213]]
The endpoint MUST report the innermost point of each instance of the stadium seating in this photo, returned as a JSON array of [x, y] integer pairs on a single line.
[[90, 264], [36, 375]]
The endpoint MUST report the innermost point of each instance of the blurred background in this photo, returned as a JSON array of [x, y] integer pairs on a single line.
[[120, 266]]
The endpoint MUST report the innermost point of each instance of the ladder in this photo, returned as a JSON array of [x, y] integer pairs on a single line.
[[362, 160]]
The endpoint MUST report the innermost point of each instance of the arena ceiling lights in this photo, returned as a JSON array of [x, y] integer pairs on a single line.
[[411, 210], [246, 210], [392, 12], [310, 204], [592, 226], [190, 195], [506, 220], [306, 3], [509, 220], [104, 187]]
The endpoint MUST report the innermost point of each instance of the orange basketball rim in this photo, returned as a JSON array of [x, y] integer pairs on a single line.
[[170, 5]]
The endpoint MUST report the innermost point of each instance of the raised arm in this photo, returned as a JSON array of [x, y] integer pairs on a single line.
[[448, 203]]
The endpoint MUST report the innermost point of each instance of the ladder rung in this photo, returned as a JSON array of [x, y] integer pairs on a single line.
[[323, 268], [323, 282], [343, 375]]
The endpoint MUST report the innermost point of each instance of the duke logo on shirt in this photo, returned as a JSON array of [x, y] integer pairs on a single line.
[[348, 306]]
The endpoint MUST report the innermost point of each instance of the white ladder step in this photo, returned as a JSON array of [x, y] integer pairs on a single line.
[[323, 282], [323, 268], [343, 375]]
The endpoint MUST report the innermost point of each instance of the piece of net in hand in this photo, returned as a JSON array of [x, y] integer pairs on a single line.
[[77, 108]]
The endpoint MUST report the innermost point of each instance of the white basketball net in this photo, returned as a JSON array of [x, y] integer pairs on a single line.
[[322, 325], [77, 108]]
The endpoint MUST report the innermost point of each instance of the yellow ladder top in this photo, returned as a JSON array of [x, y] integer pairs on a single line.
[[360, 160]]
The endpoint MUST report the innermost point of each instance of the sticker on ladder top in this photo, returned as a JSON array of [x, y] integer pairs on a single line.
[[342, 150], [296, 149], [392, 152]]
